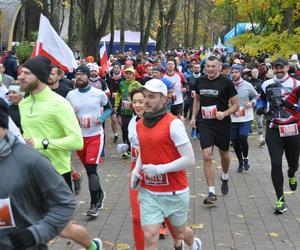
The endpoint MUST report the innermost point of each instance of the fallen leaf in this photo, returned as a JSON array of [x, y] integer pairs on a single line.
[[238, 234], [193, 196], [108, 243], [81, 202], [273, 234], [252, 196], [289, 192], [240, 216], [197, 226], [219, 167], [122, 246]]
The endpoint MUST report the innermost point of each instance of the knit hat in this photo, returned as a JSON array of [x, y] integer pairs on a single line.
[[83, 69], [40, 66], [237, 67], [3, 114]]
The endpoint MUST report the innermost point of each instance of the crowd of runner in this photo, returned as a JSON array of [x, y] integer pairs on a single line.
[[151, 98]]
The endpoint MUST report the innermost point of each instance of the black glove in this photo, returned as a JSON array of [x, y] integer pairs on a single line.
[[22, 239], [260, 111]]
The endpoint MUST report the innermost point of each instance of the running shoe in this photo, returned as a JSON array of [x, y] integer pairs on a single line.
[[162, 232], [101, 199], [280, 206], [115, 139], [77, 178], [246, 164], [98, 243], [210, 199], [293, 183], [261, 143], [240, 167], [198, 243], [126, 155], [93, 211], [224, 186], [181, 247]]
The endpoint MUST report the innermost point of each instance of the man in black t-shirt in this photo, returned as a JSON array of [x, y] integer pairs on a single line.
[[213, 94], [54, 84]]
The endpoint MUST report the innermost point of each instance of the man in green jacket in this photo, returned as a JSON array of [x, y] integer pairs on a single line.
[[50, 125], [123, 97]]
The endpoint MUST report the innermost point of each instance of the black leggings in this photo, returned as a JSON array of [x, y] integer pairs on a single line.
[[276, 146], [94, 182], [68, 179], [125, 119], [241, 147]]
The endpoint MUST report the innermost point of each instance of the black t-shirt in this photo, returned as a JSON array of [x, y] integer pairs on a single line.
[[113, 83], [67, 82], [62, 90], [214, 94]]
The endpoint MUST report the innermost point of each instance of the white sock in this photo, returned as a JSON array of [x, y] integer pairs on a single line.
[[211, 190], [224, 176]]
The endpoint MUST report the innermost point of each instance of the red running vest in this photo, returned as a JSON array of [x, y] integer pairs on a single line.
[[157, 147]]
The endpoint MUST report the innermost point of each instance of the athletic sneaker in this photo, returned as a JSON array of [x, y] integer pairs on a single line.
[[162, 232], [93, 211], [101, 199], [126, 155], [181, 247], [224, 186], [240, 167], [77, 182], [210, 199], [98, 243], [293, 183], [116, 138], [246, 164], [198, 243], [280, 206]]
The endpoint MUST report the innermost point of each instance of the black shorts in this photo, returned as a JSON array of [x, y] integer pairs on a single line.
[[68, 179], [176, 109], [214, 134]]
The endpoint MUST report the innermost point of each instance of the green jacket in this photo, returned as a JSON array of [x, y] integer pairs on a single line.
[[48, 115], [122, 94]]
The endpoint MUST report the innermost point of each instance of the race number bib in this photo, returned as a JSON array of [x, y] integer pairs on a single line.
[[240, 113], [209, 112], [126, 104], [288, 130], [6, 216], [159, 180], [84, 121]]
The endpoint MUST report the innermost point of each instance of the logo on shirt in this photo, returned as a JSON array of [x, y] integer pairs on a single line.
[[209, 92]]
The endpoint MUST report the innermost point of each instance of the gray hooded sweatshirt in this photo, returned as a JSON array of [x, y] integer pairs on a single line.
[[40, 199]]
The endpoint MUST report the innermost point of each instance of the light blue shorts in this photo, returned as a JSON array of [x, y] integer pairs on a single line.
[[155, 208]]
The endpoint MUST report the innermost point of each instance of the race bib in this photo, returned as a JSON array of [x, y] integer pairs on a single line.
[[288, 130], [84, 121], [6, 216], [209, 112], [126, 104], [159, 180], [240, 113]]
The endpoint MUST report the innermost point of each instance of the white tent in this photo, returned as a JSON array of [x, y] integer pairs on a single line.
[[132, 40]]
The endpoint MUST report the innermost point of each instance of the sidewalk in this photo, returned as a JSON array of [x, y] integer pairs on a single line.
[[242, 220]]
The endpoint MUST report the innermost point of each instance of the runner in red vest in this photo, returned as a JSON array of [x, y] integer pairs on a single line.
[[165, 153]]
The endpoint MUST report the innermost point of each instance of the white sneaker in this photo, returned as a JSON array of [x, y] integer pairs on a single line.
[[98, 242]]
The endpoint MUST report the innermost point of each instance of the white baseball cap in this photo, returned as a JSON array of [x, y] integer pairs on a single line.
[[156, 86]]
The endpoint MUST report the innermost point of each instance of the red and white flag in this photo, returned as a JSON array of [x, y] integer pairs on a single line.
[[49, 44], [104, 57]]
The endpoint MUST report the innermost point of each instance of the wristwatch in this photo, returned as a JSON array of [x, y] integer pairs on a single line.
[[45, 143]]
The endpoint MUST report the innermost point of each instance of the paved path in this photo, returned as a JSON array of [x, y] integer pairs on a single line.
[[242, 220]]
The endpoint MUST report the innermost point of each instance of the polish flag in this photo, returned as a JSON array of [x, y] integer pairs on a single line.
[[104, 58], [49, 44]]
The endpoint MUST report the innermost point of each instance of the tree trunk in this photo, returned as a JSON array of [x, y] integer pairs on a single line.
[[112, 28], [55, 14], [142, 20], [72, 24], [23, 20], [287, 20], [144, 41], [122, 25], [170, 23], [186, 21], [159, 35], [196, 21]]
